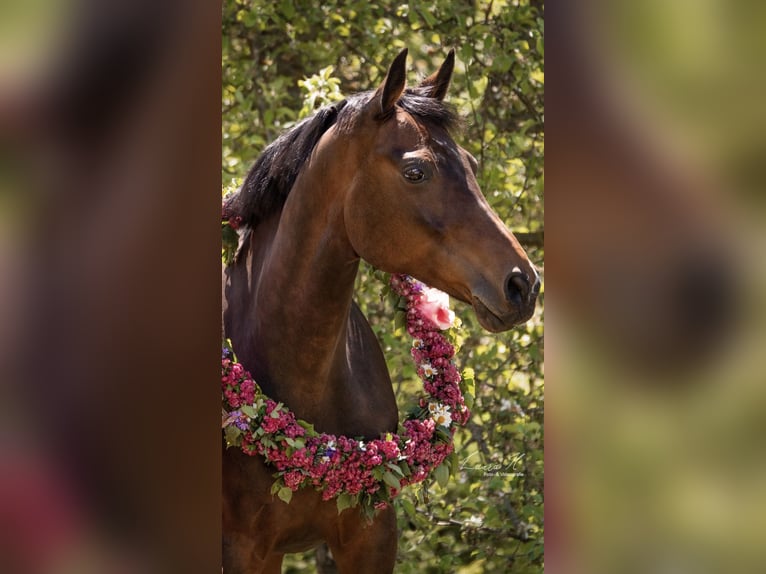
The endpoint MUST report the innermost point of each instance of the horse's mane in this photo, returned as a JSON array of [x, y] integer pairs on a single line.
[[269, 181]]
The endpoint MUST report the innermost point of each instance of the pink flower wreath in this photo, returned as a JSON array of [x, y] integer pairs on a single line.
[[358, 472]]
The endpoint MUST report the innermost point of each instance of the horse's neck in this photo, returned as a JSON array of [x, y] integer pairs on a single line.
[[302, 340], [302, 305]]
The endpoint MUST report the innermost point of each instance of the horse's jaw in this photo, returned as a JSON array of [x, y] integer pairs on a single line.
[[496, 321]]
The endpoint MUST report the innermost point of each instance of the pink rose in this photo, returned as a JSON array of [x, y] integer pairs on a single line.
[[434, 306]]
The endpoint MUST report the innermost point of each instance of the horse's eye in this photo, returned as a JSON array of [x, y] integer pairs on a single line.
[[414, 174]]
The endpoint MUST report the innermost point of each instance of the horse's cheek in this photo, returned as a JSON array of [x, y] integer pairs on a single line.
[[366, 226]]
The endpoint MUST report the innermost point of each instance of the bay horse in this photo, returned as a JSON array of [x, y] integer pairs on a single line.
[[375, 177]]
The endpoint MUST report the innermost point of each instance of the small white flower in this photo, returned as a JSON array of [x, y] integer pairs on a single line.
[[443, 419], [505, 404], [440, 414], [417, 343], [428, 370], [475, 520]]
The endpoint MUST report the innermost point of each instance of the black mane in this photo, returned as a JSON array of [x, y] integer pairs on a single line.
[[269, 181]]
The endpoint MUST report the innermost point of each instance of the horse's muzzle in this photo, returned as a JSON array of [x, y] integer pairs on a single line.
[[519, 308]]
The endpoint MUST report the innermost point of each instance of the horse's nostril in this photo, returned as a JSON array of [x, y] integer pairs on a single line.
[[704, 300], [517, 288]]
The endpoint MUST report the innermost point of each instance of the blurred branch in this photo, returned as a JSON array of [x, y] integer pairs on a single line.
[[528, 104], [520, 533], [477, 434]]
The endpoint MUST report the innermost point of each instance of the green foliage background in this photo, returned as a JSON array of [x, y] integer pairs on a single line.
[[284, 59]]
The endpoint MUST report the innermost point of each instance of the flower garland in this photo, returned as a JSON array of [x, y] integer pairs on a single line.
[[368, 473]]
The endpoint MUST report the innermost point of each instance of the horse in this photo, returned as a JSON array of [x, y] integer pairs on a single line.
[[640, 248], [377, 177]]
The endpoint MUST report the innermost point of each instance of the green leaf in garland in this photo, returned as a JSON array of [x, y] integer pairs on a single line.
[[393, 297], [275, 487], [343, 501], [442, 435], [285, 494], [385, 292], [249, 411], [308, 426], [390, 479], [400, 320], [368, 512], [442, 475], [232, 435], [395, 469]]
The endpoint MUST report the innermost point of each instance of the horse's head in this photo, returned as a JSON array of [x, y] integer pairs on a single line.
[[414, 205]]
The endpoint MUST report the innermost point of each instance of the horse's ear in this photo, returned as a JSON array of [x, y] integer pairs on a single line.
[[393, 86], [435, 85]]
